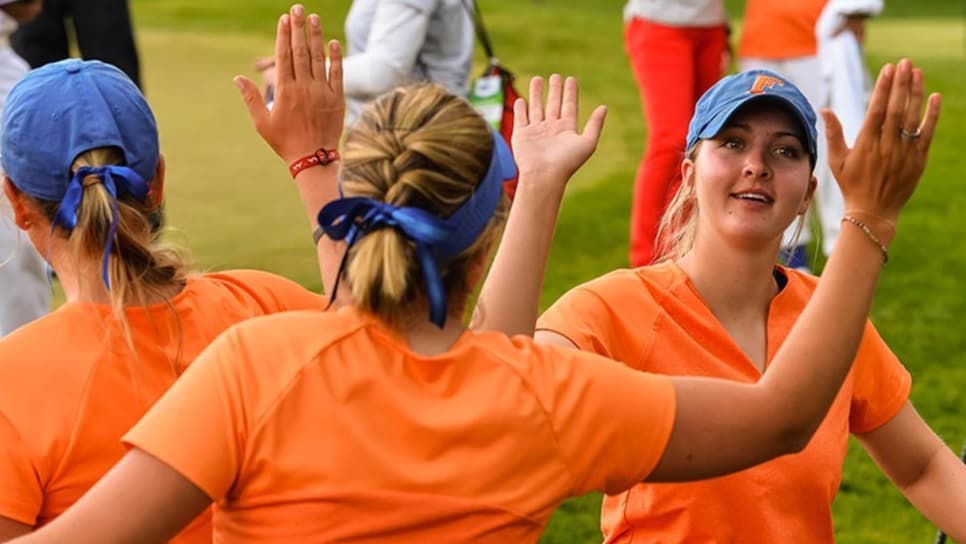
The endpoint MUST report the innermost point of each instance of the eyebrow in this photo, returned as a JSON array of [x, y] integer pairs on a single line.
[[747, 128]]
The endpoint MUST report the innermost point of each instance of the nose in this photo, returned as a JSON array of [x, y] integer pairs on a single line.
[[756, 165]]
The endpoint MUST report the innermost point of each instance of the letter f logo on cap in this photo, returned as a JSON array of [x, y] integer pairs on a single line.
[[764, 82]]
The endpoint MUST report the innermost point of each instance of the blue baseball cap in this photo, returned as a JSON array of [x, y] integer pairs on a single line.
[[63, 109], [722, 100]]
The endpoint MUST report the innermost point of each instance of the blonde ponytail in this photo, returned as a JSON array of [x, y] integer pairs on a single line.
[[140, 268], [416, 147]]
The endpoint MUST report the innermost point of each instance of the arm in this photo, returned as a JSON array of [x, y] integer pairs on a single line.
[[721, 427], [11, 529], [118, 510], [923, 468], [308, 114], [396, 35], [548, 150]]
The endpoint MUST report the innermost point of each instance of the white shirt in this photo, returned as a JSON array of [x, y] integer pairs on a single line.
[[395, 42], [843, 62], [678, 12]]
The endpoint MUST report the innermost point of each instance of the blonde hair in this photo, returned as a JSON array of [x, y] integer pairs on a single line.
[[140, 268], [421, 147], [679, 224]]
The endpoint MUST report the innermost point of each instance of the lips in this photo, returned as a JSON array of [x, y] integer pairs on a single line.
[[754, 196]]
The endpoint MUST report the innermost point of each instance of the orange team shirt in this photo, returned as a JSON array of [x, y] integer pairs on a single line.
[[70, 387], [325, 427], [779, 29], [653, 319]]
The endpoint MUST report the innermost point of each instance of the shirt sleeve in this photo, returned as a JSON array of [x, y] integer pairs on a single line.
[[612, 423], [395, 38], [881, 386], [199, 426], [277, 294], [21, 492], [583, 318], [606, 320]]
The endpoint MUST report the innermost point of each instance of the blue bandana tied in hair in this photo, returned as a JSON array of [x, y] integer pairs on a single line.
[[437, 240], [117, 180]]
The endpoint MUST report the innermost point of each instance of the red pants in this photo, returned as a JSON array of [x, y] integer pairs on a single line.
[[673, 67]]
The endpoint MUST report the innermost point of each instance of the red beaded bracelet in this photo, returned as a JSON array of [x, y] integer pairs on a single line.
[[320, 157]]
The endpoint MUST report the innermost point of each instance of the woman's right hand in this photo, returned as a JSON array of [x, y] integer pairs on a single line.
[[309, 109], [881, 171], [546, 145]]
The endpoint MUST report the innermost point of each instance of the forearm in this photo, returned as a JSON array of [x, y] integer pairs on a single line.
[[939, 493], [510, 298], [805, 375], [317, 186]]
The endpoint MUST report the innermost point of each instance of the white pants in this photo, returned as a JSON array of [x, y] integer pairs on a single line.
[[806, 74]]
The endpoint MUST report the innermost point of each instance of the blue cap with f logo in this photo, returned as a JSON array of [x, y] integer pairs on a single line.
[[722, 100]]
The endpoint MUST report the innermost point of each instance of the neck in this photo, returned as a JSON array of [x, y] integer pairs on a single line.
[[425, 338], [732, 280], [80, 280]]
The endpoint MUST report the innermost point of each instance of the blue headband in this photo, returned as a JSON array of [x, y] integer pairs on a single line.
[[116, 180], [437, 240]]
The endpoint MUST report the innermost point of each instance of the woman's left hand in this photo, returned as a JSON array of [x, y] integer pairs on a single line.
[[546, 144], [309, 108]]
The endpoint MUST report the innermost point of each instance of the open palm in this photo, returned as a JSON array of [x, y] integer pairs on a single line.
[[545, 138]]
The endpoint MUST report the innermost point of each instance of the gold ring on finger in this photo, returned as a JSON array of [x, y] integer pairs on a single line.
[[909, 134]]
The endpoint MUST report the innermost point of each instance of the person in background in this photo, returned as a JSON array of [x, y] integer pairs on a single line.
[[395, 42], [102, 30], [677, 50], [24, 289], [359, 424], [83, 173]]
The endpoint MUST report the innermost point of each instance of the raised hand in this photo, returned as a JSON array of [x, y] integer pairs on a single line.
[[309, 109], [545, 138], [880, 173]]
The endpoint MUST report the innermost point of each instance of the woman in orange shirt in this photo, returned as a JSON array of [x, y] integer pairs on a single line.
[[718, 306], [84, 174], [373, 423]]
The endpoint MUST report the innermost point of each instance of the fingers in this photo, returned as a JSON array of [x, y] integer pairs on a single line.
[[554, 97], [898, 99], [875, 113], [316, 47], [914, 104], [335, 67], [568, 110], [837, 148], [253, 101], [595, 124], [536, 99], [519, 114], [928, 127], [283, 51], [301, 65]]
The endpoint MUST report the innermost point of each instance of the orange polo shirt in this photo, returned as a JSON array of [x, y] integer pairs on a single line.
[[325, 427], [779, 29], [652, 319], [70, 386]]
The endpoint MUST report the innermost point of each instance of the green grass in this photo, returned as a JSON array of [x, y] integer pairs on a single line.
[[235, 205]]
